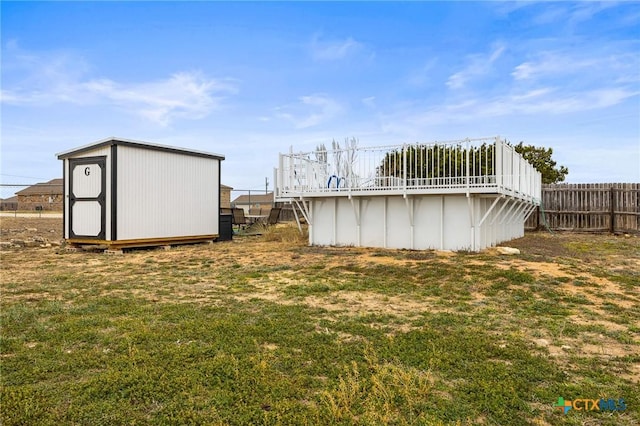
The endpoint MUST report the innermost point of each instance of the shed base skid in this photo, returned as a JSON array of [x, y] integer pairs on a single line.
[[144, 242]]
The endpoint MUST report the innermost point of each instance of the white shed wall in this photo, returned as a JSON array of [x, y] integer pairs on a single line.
[[445, 222], [166, 194]]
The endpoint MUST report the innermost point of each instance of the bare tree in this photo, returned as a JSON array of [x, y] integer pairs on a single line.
[[321, 154], [344, 161]]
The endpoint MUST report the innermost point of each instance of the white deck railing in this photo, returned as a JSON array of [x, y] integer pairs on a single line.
[[470, 165]]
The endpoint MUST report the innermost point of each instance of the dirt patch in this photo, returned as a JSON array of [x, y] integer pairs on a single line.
[[538, 269], [354, 303], [23, 227], [589, 286], [603, 349], [580, 319], [541, 244], [348, 303], [367, 258]]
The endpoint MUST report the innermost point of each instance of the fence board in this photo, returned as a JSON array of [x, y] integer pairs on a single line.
[[605, 207]]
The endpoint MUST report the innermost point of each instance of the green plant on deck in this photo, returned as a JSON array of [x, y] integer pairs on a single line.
[[438, 161]]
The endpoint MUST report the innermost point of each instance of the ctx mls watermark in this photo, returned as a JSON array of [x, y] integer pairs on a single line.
[[585, 404]]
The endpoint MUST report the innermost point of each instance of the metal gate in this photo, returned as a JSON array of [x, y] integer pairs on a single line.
[[87, 195]]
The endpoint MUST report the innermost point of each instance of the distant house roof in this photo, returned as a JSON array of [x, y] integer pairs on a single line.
[[13, 199], [138, 144], [254, 199], [225, 187], [54, 186]]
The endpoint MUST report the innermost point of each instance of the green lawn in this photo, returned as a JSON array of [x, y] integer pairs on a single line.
[[266, 330]]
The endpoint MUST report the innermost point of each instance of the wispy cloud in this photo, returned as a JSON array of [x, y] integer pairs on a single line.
[[508, 7], [552, 63], [554, 102], [333, 50], [478, 65], [422, 76], [189, 95], [532, 94], [550, 82], [310, 111], [63, 78], [598, 65], [551, 14], [542, 101], [42, 79], [369, 102], [584, 11], [543, 13]]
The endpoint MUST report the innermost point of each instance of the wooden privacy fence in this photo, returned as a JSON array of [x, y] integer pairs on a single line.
[[593, 207]]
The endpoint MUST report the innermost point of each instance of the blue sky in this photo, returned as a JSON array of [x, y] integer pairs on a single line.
[[249, 80]]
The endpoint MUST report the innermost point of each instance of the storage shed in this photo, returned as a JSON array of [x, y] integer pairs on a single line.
[[458, 195], [125, 193]]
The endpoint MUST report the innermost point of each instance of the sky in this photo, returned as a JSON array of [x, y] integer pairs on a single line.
[[250, 80]]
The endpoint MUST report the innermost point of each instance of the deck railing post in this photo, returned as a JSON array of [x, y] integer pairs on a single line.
[[514, 170], [520, 171], [468, 163], [292, 165], [497, 167], [404, 167]]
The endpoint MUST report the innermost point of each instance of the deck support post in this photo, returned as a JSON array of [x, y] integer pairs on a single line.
[[528, 213], [505, 204], [409, 203], [516, 212], [470, 203], [384, 224], [490, 209], [514, 219], [356, 212], [295, 214], [335, 221], [442, 222], [506, 215], [306, 213]]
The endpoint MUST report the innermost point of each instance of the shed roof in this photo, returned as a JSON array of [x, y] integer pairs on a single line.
[[54, 186], [137, 144]]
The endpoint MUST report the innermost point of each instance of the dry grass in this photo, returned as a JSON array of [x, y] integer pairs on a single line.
[[347, 335]]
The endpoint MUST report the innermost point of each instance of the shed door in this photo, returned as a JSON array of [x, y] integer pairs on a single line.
[[87, 194]]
